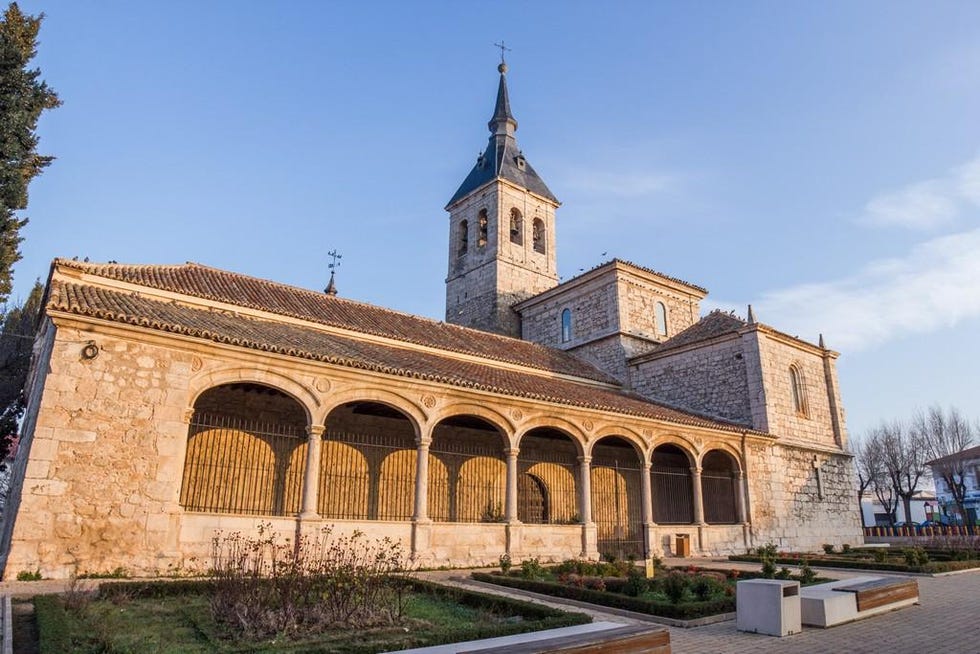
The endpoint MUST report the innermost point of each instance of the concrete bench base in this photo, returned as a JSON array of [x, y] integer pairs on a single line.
[[623, 640], [846, 600]]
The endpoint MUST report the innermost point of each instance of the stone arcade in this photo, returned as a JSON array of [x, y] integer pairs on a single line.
[[596, 416]]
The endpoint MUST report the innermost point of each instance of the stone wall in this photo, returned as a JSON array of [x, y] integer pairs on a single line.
[[710, 380]]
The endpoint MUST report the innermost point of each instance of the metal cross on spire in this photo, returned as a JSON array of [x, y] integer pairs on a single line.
[[502, 49]]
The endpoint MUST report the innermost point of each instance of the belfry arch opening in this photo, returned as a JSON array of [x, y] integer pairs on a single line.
[[367, 463], [467, 471], [246, 452], [548, 462], [617, 498], [670, 481]]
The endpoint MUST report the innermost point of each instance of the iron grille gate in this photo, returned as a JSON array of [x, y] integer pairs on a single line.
[[467, 480], [672, 495], [718, 492], [367, 476], [243, 466], [547, 482], [617, 508]]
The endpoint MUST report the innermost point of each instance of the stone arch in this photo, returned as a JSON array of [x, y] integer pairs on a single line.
[[393, 400], [625, 434], [683, 444], [617, 495], [468, 447], [727, 448], [671, 483], [306, 396], [719, 487], [492, 416], [567, 427], [367, 460], [246, 451], [551, 455]]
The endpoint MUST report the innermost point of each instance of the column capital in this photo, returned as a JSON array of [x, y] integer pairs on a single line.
[[188, 415], [512, 451], [695, 470], [585, 459], [315, 430], [423, 443]]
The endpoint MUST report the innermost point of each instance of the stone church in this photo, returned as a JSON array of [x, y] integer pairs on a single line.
[[597, 416]]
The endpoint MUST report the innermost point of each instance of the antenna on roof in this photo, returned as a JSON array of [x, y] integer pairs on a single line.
[[335, 258]]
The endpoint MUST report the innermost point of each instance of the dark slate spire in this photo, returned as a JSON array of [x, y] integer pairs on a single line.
[[503, 121], [502, 159]]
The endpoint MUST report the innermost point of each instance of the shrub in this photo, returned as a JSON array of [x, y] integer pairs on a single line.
[[674, 585], [769, 549], [27, 575], [768, 567], [733, 574], [784, 573], [915, 556], [704, 588], [505, 563], [266, 586], [828, 548], [531, 569], [845, 548], [880, 555], [636, 583], [807, 574]]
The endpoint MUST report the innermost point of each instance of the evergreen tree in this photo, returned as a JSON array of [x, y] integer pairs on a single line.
[[23, 97], [16, 344]]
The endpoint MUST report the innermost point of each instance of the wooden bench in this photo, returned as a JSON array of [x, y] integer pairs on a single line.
[[846, 600], [636, 639]]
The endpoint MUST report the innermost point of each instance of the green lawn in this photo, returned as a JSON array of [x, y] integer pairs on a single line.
[[182, 624]]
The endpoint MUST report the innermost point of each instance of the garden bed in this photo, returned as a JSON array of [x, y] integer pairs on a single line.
[[175, 617], [681, 594], [922, 560]]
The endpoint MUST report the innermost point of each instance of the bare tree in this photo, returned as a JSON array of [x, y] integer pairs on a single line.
[[946, 436], [870, 461], [904, 459], [868, 467]]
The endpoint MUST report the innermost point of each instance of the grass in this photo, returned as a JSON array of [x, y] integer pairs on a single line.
[[147, 622]]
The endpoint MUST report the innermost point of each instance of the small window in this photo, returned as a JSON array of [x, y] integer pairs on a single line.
[[516, 227], [660, 316], [566, 325], [537, 235], [464, 238], [482, 240], [798, 386]]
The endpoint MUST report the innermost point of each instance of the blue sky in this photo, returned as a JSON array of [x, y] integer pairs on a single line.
[[818, 160]]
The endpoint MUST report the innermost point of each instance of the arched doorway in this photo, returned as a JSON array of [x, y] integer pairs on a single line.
[[719, 488], [246, 452], [670, 482], [616, 498], [548, 457]]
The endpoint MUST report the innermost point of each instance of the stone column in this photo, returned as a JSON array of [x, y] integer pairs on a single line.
[[311, 480], [646, 509], [510, 510], [422, 481], [698, 499], [740, 498], [589, 532]]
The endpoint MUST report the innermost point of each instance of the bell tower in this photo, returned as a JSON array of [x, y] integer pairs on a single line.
[[501, 232]]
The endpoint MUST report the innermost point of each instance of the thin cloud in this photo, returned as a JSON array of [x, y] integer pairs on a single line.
[[936, 286], [616, 185], [927, 204]]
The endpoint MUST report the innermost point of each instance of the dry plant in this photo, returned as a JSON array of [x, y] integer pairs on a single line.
[[267, 585]]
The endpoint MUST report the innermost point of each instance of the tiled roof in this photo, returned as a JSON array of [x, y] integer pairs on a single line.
[[965, 455], [624, 262], [350, 351], [717, 323], [253, 293]]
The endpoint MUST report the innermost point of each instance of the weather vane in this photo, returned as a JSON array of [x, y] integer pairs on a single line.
[[335, 258], [502, 49]]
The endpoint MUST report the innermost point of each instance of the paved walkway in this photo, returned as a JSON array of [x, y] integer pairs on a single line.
[[947, 620]]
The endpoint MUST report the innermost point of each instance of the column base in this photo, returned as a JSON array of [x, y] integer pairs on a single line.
[[590, 542]]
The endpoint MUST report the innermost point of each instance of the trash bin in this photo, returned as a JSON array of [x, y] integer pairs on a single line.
[[768, 606], [682, 545]]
